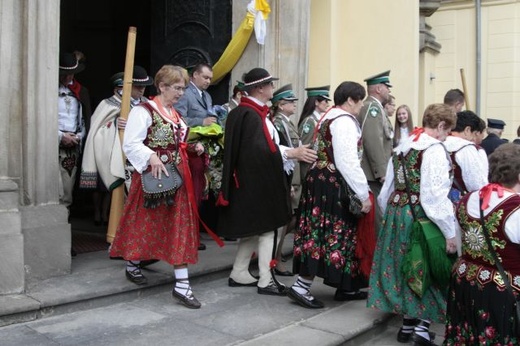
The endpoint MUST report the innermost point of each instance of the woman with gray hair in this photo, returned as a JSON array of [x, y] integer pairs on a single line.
[[481, 306]]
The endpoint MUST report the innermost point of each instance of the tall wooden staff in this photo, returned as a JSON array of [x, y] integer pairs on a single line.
[[464, 88], [118, 194]]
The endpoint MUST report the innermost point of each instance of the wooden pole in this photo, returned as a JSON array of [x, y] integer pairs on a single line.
[[118, 194], [464, 88]]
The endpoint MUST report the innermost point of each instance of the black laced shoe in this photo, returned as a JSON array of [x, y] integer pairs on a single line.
[[136, 276]]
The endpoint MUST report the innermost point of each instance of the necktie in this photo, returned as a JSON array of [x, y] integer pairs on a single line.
[[204, 100]]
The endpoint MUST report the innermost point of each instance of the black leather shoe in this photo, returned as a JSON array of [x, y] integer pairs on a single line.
[[233, 283], [136, 276], [230, 239], [306, 303], [404, 337], [188, 301], [273, 290], [202, 246], [146, 263], [342, 296], [283, 273], [420, 341]]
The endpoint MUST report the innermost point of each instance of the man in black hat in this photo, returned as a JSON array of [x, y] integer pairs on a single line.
[[73, 120], [378, 134], [495, 128], [254, 198]]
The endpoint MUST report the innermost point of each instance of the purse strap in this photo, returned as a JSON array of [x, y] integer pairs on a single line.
[[498, 264], [407, 184]]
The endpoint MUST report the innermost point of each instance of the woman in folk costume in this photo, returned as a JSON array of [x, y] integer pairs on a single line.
[[427, 168], [326, 237], [316, 104], [103, 166], [481, 308], [156, 135]]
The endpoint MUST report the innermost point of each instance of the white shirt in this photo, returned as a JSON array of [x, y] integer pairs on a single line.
[[473, 167], [69, 113], [346, 133], [435, 182]]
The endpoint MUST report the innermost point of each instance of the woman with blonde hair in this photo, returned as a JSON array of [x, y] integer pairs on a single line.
[[163, 227], [403, 124]]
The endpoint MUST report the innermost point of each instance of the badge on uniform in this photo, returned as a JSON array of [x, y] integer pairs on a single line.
[[306, 128], [374, 111]]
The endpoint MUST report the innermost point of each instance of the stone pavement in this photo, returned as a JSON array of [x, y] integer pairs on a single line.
[[96, 305]]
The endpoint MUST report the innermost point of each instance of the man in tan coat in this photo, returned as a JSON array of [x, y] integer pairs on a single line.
[[378, 134]]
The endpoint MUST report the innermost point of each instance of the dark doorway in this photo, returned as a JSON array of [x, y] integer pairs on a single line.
[[168, 31], [189, 32]]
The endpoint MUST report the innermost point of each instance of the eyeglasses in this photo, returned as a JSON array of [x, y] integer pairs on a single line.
[[176, 87]]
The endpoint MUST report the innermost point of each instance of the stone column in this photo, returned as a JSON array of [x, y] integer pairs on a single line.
[[35, 234], [285, 53], [44, 222]]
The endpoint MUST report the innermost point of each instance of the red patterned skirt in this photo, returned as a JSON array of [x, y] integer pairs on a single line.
[[166, 233]]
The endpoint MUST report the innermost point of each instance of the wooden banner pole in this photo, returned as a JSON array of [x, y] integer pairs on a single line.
[[118, 194], [464, 88]]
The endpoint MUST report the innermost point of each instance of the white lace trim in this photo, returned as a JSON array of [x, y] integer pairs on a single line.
[[346, 133]]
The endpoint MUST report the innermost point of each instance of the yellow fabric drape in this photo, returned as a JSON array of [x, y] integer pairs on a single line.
[[234, 49], [238, 43]]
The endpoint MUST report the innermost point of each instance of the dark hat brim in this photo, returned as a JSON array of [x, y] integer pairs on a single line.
[[78, 69], [249, 86], [147, 82]]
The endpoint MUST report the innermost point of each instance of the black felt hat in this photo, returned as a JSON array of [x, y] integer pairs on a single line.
[[256, 77], [139, 78], [69, 64]]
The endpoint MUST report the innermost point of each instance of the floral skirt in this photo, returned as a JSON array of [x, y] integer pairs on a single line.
[[389, 290], [325, 239], [478, 312], [166, 233]]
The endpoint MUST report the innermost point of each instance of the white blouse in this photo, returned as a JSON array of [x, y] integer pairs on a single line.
[[346, 133], [473, 167], [139, 120], [435, 182]]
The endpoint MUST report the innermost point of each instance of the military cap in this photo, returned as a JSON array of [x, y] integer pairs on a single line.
[[496, 124], [117, 79], [284, 93], [381, 78], [322, 91]]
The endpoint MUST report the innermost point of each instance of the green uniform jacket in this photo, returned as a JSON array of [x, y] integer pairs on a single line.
[[377, 139]]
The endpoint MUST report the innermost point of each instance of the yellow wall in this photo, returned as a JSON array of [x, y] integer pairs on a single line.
[[354, 39], [454, 25]]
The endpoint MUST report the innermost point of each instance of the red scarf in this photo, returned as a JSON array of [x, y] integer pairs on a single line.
[[75, 87], [262, 111], [417, 132], [486, 191]]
